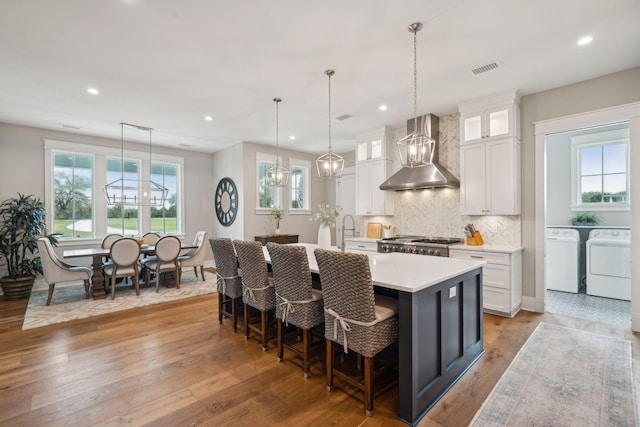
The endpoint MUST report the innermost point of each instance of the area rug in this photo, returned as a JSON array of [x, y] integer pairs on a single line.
[[564, 377], [68, 302]]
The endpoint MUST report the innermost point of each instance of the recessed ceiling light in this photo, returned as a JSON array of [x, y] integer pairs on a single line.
[[382, 107], [292, 137], [208, 118], [585, 40], [93, 91]]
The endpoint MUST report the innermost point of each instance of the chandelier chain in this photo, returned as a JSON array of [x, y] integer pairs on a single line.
[[415, 80], [329, 74]]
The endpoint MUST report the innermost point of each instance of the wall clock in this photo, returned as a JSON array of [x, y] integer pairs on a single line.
[[226, 201]]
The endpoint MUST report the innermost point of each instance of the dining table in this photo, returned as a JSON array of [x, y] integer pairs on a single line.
[[440, 321], [98, 288]]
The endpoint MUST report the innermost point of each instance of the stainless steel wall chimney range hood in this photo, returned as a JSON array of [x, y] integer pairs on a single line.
[[429, 176]]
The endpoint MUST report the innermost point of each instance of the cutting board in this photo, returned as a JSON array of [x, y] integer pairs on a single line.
[[374, 230]]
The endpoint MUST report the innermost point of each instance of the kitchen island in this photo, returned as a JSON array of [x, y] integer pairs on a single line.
[[439, 322]]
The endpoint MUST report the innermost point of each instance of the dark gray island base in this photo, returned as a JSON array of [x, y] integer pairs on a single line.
[[440, 331]]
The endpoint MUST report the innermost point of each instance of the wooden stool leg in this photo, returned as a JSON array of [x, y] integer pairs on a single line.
[[234, 315], [368, 386], [264, 320], [329, 357], [306, 345], [246, 321], [220, 305], [280, 338]]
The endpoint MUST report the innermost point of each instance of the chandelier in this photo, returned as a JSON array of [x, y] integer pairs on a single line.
[[416, 149], [330, 164], [134, 191], [277, 174]]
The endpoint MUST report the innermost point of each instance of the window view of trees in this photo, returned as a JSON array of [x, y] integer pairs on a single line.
[[266, 196], [73, 195], [299, 188], [603, 173]]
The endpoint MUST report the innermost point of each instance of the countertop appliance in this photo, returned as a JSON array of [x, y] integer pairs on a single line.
[[562, 270], [419, 245], [609, 264]]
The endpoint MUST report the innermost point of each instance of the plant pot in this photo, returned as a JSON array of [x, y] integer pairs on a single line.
[[15, 289], [278, 231]]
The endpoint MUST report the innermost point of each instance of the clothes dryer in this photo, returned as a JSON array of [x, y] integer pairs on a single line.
[[562, 269], [609, 263]]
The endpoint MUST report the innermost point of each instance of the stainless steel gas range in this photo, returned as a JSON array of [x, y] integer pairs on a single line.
[[434, 246]]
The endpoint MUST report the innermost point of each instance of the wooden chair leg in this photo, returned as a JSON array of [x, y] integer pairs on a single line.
[[246, 321], [86, 289], [113, 284], [201, 272], [329, 357], [136, 283], [264, 320], [280, 338], [368, 386], [220, 305], [234, 314], [195, 271], [178, 276], [51, 287], [306, 350]]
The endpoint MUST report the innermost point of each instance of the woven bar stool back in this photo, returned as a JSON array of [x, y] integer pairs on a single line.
[[229, 282]]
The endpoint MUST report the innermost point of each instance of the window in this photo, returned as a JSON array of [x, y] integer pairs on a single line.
[[601, 164], [268, 196], [299, 184], [72, 194], [75, 174]]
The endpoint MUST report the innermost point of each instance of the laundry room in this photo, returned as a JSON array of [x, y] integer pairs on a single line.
[[587, 245]]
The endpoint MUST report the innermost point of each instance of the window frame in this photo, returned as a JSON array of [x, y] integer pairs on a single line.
[[277, 191], [600, 139], [100, 155], [303, 164]]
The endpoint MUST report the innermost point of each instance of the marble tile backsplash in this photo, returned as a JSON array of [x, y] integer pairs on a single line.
[[437, 212]]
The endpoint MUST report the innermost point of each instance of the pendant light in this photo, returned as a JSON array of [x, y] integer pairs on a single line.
[[330, 164], [277, 175], [416, 149], [130, 191]]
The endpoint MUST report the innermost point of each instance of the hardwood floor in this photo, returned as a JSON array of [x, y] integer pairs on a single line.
[[172, 364]]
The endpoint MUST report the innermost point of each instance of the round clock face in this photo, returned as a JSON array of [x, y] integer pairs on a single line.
[[226, 201]]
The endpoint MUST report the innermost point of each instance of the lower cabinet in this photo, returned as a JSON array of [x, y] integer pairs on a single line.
[[360, 245], [501, 279]]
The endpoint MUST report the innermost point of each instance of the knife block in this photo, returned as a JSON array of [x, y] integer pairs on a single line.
[[475, 239]]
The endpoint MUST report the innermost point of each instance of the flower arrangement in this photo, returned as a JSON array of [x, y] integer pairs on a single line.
[[277, 213], [326, 215]]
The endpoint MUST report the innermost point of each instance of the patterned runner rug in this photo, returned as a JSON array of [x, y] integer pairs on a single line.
[[68, 302], [564, 377]]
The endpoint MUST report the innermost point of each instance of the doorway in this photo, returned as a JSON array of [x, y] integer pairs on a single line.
[[587, 197]]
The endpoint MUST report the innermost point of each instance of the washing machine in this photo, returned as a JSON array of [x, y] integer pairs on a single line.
[[609, 263], [562, 269]]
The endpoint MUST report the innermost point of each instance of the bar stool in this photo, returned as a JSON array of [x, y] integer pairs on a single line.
[[257, 287], [229, 282], [297, 303], [354, 317]]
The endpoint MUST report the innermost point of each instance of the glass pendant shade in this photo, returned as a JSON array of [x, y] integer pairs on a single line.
[[131, 191], [277, 175], [330, 164]]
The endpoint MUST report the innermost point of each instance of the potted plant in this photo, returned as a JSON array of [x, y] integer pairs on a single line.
[[277, 213], [22, 222], [585, 218]]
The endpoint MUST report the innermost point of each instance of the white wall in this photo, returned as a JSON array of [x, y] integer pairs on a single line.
[[228, 163]]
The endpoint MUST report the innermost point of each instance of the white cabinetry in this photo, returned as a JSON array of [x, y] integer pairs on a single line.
[[375, 144], [370, 200], [361, 244], [490, 177], [501, 279], [495, 117]]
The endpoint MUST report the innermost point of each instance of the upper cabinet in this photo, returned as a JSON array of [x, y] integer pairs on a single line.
[[370, 199], [490, 118], [376, 144]]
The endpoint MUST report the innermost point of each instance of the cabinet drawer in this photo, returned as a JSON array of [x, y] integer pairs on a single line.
[[496, 299], [490, 257], [361, 246], [496, 275]]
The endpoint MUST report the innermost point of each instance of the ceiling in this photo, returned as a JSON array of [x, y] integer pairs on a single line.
[[167, 64]]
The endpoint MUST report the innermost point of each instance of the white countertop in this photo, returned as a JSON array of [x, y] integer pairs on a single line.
[[403, 272], [503, 249], [624, 227]]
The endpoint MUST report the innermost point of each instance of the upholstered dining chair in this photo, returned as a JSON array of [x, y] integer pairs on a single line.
[[109, 239], [195, 257], [257, 287], [167, 251], [354, 317], [57, 271], [229, 282], [123, 255], [150, 238], [297, 303]]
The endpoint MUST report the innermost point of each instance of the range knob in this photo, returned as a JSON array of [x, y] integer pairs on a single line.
[[429, 251], [421, 251], [436, 252]]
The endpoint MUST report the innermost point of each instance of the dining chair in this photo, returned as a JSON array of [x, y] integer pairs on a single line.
[[195, 257], [57, 271], [108, 240], [150, 238], [257, 287], [229, 282], [354, 317], [297, 303], [123, 255], [167, 251]]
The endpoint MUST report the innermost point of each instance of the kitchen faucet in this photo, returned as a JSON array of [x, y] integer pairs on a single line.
[[352, 229]]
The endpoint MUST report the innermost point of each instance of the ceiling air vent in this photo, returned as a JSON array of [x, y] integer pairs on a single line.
[[343, 117], [485, 68], [70, 126]]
